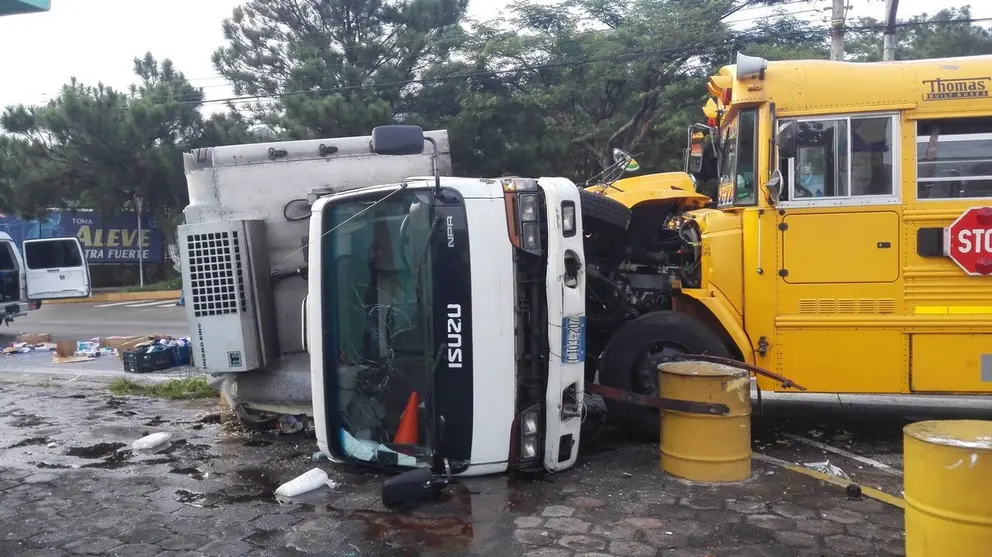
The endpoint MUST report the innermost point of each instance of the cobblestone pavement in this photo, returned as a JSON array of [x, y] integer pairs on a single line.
[[71, 485]]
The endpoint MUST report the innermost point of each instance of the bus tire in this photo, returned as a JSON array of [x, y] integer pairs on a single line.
[[599, 211], [627, 364]]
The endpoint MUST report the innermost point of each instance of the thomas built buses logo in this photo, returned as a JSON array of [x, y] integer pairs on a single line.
[[954, 89]]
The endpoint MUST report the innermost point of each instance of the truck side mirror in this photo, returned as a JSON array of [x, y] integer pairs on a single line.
[[774, 187], [397, 140], [411, 488], [785, 139]]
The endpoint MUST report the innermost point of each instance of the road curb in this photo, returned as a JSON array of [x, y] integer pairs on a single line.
[[120, 297]]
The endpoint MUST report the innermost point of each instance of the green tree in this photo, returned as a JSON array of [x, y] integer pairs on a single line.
[[332, 67], [948, 33], [626, 74], [96, 147]]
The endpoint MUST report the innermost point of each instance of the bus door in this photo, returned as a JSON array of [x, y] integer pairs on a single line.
[[838, 288]]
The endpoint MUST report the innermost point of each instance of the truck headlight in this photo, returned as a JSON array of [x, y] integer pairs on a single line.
[[530, 432], [568, 218], [527, 207], [523, 213], [530, 237], [529, 424], [528, 450]]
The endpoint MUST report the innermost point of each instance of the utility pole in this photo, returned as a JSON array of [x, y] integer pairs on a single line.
[[889, 47], [837, 31], [139, 205]]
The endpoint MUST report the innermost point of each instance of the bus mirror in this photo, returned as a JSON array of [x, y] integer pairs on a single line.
[[398, 140], [785, 139], [774, 187]]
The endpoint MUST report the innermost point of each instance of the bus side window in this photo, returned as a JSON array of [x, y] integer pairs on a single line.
[[842, 158], [954, 158], [746, 158], [821, 164]]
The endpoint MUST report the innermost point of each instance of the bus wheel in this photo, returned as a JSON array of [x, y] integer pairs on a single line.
[[631, 358]]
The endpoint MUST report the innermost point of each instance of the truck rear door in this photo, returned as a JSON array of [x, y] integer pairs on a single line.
[[55, 268]]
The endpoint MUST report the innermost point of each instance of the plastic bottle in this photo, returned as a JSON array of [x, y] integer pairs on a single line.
[[151, 441], [303, 483]]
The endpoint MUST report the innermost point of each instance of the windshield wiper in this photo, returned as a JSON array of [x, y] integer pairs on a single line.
[[423, 258], [436, 424]]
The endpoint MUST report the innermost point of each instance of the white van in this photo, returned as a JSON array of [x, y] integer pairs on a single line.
[[48, 269]]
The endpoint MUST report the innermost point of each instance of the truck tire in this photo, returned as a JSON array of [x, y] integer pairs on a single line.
[[629, 363], [599, 211]]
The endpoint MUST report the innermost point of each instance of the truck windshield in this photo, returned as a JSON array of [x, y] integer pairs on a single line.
[[377, 299]]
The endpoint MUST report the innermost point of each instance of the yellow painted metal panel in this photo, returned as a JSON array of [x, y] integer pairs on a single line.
[[948, 468], [815, 359], [951, 363], [702, 447], [953, 310], [841, 248]]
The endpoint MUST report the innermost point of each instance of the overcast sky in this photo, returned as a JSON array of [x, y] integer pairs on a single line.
[[96, 40]]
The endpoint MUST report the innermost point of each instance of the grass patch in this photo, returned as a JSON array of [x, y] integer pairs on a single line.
[[170, 284], [180, 388]]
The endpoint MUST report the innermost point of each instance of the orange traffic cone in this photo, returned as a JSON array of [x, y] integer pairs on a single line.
[[406, 433]]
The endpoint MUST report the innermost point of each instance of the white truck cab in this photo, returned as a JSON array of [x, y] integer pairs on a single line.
[[463, 296], [446, 321], [49, 269], [443, 319]]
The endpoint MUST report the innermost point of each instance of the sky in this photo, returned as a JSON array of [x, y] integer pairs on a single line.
[[96, 40]]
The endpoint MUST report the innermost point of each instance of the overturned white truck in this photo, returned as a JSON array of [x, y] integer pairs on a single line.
[[438, 322]]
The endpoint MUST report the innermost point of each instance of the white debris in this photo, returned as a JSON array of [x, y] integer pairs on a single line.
[[304, 483], [151, 441], [826, 468]]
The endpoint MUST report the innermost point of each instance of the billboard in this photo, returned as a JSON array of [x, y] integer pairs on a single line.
[[11, 7], [105, 240]]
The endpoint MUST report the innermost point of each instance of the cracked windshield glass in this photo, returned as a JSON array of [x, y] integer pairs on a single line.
[[379, 298]]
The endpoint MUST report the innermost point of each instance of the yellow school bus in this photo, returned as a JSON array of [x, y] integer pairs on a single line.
[[851, 242], [839, 182]]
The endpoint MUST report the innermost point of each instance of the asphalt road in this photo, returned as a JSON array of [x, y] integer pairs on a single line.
[[85, 321]]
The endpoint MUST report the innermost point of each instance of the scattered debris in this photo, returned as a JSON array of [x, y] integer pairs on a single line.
[[34, 338], [304, 483], [155, 353], [826, 468], [289, 424], [854, 492], [151, 441]]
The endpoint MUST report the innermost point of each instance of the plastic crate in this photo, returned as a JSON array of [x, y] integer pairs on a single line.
[[136, 361]]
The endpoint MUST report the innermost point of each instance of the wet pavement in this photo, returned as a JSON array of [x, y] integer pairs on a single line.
[[70, 484]]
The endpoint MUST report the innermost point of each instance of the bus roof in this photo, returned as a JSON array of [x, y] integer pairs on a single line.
[[924, 88]]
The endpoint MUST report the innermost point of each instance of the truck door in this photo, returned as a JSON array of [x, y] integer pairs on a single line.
[[839, 275], [55, 268]]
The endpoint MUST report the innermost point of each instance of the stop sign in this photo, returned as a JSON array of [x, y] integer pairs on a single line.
[[968, 241]]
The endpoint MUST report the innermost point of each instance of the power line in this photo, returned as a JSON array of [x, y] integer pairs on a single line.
[[696, 48], [425, 81]]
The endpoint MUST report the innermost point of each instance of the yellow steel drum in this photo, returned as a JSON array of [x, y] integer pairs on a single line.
[[700, 447], [948, 488]]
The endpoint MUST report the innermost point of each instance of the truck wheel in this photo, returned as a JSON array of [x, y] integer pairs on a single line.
[[631, 358], [599, 211]]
